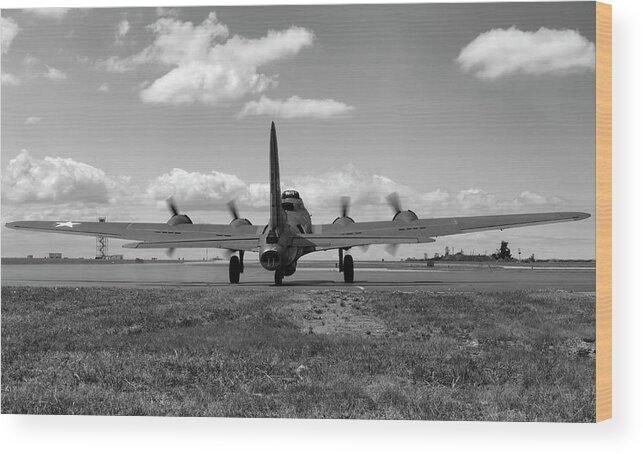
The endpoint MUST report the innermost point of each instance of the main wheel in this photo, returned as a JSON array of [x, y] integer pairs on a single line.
[[279, 277], [349, 273], [235, 269]]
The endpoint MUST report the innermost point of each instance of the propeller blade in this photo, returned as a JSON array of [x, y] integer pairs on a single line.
[[344, 204], [169, 252], [172, 206], [393, 199], [232, 206], [391, 248]]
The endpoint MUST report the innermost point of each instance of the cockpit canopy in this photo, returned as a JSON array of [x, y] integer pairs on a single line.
[[290, 194]]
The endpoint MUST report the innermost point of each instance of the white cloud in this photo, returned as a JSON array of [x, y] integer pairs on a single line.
[[478, 200], [167, 12], [324, 190], [115, 65], [141, 85], [210, 191], [35, 68], [475, 199], [58, 180], [123, 27], [204, 66], [67, 182], [256, 195], [532, 198], [47, 13], [30, 61], [527, 199], [8, 31], [32, 120], [498, 53], [103, 88], [55, 74], [10, 79], [197, 190], [295, 107], [436, 199]]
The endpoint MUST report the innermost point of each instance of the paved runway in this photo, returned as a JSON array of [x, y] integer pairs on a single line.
[[216, 275]]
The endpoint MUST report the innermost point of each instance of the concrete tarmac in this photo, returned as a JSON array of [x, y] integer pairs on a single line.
[[196, 274]]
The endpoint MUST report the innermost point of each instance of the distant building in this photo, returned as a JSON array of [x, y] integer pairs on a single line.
[[30, 256], [115, 257], [55, 255]]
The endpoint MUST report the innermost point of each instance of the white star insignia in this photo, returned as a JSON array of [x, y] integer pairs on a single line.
[[67, 224]]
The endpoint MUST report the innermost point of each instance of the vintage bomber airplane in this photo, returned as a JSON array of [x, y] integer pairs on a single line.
[[290, 234]]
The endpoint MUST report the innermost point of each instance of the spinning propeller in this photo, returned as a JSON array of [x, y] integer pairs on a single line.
[[172, 206], [176, 219], [344, 205], [400, 215], [232, 206], [237, 221], [344, 218], [393, 200]]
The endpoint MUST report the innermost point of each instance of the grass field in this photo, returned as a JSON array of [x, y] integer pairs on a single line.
[[291, 353]]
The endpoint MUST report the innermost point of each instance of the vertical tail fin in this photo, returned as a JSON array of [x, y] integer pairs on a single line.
[[277, 215]]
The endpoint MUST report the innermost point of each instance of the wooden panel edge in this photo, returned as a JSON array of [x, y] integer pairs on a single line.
[[603, 211]]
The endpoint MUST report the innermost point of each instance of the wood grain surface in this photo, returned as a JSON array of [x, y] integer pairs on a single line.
[[603, 211]]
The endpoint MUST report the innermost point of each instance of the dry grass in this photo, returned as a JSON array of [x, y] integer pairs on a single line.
[[313, 354]]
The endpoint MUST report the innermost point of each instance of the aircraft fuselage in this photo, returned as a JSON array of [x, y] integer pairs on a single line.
[[276, 251]]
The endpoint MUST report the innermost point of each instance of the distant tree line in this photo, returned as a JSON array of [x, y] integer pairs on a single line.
[[502, 254]]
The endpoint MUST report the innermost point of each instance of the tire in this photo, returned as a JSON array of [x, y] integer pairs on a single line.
[[234, 270], [349, 272], [279, 277]]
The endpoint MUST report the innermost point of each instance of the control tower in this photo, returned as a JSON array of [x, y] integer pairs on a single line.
[[102, 251]]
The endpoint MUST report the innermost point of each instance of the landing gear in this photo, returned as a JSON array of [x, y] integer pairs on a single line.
[[348, 269], [346, 266], [279, 277], [235, 269]]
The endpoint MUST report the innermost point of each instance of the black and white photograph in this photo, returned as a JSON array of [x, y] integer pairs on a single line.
[[345, 211]]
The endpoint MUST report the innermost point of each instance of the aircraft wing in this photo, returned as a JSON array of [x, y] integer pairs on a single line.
[[325, 242], [333, 236], [155, 235], [238, 243]]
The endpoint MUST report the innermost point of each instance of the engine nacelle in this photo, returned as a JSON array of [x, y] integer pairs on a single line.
[[178, 219], [239, 222], [405, 216], [344, 220]]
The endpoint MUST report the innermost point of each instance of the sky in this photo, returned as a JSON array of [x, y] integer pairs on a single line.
[[463, 109]]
